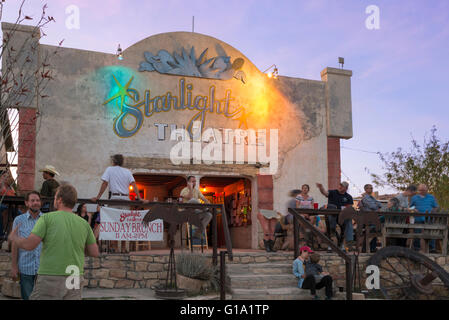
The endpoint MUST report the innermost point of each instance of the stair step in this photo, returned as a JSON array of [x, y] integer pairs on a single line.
[[260, 268], [259, 281], [284, 293]]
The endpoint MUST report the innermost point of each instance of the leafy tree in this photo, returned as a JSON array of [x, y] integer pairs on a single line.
[[427, 163]]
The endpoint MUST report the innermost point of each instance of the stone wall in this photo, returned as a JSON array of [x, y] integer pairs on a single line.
[[143, 271]]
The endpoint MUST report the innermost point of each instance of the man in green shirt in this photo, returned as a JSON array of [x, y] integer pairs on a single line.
[[65, 238]]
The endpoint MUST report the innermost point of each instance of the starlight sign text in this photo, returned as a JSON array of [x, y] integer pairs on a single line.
[[131, 104]]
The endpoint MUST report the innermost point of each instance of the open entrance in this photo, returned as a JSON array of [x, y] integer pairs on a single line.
[[161, 188], [235, 194]]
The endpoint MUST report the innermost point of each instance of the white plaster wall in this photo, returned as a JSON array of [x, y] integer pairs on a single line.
[[74, 130]]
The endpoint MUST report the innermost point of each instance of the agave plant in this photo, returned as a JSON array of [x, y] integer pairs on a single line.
[[188, 65], [199, 267]]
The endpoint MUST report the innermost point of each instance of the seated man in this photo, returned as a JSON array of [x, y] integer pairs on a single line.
[[190, 194]]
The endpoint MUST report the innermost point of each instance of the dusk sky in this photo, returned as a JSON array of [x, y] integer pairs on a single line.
[[400, 86]]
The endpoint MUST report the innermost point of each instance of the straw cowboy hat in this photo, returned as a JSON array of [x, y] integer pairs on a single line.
[[50, 169]]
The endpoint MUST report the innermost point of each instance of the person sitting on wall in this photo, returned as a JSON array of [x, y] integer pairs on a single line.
[[191, 194], [285, 224], [49, 185], [305, 201], [369, 203], [423, 202], [341, 199], [268, 220]]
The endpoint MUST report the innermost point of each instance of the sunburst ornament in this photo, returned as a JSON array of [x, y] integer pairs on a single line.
[[243, 119], [122, 92]]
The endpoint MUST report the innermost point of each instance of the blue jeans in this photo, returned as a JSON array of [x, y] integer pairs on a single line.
[[347, 226], [3, 207], [26, 285]]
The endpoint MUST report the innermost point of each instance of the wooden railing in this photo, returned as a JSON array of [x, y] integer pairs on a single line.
[[13, 204]]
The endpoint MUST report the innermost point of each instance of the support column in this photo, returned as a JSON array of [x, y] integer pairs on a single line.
[[333, 162], [26, 150]]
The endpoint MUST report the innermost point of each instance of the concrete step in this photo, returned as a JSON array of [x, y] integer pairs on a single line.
[[260, 268], [260, 281], [284, 293]]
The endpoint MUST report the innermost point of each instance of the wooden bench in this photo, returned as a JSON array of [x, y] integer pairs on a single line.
[[434, 228]]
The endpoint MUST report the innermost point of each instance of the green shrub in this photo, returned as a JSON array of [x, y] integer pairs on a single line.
[[197, 266]]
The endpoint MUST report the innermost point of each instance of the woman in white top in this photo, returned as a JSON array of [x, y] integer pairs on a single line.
[[305, 201]]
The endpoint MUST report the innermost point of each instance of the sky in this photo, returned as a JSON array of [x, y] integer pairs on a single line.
[[400, 86]]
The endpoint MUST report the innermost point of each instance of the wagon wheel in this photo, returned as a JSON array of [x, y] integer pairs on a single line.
[[408, 275]]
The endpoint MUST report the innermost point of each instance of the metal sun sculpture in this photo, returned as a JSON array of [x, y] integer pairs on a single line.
[[219, 67]]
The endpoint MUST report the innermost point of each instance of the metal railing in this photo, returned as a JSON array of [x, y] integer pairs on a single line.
[[349, 259], [13, 202]]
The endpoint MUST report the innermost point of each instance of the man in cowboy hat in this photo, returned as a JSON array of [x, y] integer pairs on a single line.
[[49, 186]]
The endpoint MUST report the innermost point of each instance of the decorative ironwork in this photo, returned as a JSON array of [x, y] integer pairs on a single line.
[[185, 64]]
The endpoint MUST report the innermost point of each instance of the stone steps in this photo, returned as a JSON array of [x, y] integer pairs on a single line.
[[260, 268], [269, 280], [260, 281], [286, 293]]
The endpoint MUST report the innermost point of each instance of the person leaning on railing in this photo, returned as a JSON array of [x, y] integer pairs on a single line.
[[369, 203], [424, 203], [341, 199]]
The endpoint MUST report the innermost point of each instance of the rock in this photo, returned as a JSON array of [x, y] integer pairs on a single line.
[[191, 285]]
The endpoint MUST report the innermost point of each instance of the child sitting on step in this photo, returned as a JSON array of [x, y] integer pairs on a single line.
[[315, 278]]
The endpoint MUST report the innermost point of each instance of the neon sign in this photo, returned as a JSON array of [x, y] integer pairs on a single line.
[[131, 104]]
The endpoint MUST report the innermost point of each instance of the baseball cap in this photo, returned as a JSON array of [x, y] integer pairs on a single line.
[[306, 248]]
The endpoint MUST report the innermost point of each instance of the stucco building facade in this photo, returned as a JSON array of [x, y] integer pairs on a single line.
[[98, 105]]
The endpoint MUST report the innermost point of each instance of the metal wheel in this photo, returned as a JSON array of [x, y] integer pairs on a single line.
[[408, 275]]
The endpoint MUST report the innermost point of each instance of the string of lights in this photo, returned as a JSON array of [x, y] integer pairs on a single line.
[[360, 150]]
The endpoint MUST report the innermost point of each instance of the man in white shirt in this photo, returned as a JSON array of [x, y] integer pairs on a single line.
[[118, 179]]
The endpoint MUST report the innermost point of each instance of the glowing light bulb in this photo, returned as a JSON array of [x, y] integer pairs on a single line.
[[119, 53]]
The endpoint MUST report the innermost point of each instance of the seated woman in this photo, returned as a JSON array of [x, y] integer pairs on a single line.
[[305, 201], [268, 220]]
